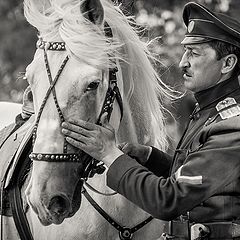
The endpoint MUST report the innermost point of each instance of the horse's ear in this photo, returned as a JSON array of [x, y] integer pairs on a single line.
[[93, 11]]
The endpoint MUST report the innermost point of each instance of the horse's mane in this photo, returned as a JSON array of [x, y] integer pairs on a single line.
[[61, 20]]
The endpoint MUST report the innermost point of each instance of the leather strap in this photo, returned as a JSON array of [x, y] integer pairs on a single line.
[[19, 216], [224, 230], [124, 232], [218, 230]]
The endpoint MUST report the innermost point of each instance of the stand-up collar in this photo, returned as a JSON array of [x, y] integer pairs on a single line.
[[216, 93]]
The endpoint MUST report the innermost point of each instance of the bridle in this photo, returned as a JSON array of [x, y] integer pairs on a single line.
[[111, 94], [91, 166]]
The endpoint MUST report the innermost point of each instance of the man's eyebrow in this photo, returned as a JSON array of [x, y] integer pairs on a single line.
[[190, 47]]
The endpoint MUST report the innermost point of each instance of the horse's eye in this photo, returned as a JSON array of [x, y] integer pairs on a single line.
[[92, 86]]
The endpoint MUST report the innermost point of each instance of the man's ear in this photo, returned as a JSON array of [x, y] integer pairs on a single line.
[[229, 63], [93, 11]]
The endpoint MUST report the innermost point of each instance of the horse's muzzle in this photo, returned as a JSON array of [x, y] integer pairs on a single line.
[[61, 207]]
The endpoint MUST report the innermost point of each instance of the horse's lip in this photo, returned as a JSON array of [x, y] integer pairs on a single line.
[[44, 222], [58, 220], [71, 214], [51, 220]]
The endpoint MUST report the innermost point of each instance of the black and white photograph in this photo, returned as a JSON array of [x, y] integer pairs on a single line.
[[119, 119]]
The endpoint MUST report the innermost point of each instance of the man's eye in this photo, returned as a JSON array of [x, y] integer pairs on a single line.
[[195, 53], [92, 86]]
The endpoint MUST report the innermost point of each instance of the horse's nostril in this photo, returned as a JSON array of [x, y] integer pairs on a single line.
[[59, 205]]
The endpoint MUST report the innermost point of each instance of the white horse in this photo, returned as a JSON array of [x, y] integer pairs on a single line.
[[52, 189]]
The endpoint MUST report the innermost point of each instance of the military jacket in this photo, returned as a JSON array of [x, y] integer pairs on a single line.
[[203, 178]]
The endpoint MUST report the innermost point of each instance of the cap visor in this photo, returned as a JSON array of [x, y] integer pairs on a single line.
[[195, 40]]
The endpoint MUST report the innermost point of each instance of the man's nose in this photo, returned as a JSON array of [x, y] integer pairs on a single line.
[[184, 63]]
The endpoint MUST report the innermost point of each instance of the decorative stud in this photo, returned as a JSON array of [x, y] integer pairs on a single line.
[[55, 157], [55, 46], [39, 42], [47, 45]]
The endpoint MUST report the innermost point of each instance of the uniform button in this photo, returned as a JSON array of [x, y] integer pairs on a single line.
[[196, 116]]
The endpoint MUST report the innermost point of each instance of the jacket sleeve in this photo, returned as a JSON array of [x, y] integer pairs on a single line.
[[214, 165], [159, 163]]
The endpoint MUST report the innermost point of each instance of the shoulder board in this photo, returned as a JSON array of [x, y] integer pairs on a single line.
[[228, 108]]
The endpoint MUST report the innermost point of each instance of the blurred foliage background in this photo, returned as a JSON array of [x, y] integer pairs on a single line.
[[162, 20]]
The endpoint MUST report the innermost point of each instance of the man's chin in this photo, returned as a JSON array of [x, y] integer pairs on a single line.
[[188, 85]]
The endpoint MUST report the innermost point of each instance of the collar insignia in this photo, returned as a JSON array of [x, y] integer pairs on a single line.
[[228, 108]]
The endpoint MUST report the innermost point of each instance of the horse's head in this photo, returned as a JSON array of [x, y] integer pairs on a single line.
[[73, 84], [66, 86]]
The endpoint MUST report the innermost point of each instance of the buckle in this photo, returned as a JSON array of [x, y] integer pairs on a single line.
[[166, 236], [125, 234], [199, 232]]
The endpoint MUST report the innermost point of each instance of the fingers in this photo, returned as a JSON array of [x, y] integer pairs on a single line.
[[76, 143], [92, 139], [76, 135], [77, 139], [73, 130], [83, 124]]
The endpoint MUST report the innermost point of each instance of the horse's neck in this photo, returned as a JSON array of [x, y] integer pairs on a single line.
[[136, 124]]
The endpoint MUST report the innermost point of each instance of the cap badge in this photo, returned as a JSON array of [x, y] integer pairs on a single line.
[[228, 108], [190, 26]]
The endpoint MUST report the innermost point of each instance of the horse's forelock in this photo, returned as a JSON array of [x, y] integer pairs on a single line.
[[63, 21]]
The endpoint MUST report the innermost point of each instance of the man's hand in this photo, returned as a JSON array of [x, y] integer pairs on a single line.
[[97, 141], [140, 152]]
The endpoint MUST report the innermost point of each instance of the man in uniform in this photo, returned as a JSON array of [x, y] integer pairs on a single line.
[[198, 190]]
